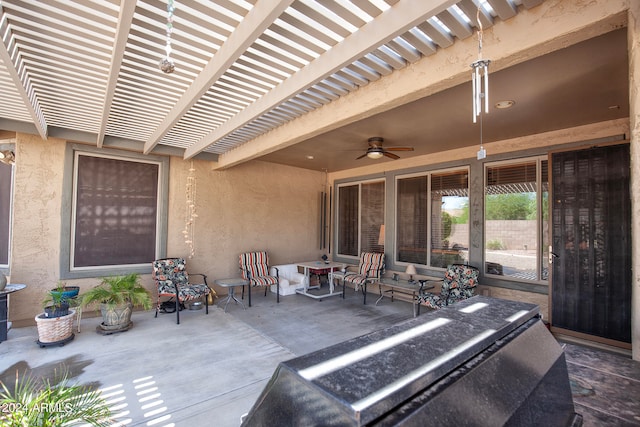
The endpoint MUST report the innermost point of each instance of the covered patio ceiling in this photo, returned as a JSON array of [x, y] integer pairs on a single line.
[[88, 71]]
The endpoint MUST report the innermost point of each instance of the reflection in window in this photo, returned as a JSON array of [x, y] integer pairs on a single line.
[[516, 220], [360, 218], [449, 218], [437, 233], [411, 230]]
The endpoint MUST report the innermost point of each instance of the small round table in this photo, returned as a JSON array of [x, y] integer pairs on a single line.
[[4, 309], [231, 284]]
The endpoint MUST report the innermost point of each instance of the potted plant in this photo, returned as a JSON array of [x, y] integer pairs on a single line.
[[64, 291], [55, 304], [117, 296], [55, 324]]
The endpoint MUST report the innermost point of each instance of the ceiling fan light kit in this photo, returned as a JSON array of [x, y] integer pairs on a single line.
[[375, 154], [376, 151]]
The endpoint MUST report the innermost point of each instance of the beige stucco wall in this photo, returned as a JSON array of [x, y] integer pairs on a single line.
[[255, 206]]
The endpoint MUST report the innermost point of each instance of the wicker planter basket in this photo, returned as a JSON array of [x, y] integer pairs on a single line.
[[53, 330]]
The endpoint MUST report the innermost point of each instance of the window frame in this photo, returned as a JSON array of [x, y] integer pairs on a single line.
[[429, 223], [538, 282], [67, 271], [5, 268], [359, 183]]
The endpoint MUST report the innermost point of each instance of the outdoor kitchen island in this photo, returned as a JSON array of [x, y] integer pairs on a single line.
[[482, 361]]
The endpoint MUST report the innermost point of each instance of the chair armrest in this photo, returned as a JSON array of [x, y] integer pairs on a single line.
[[373, 276], [424, 282], [204, 277], [346, 269]]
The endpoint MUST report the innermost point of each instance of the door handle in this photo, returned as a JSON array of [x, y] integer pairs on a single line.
[[552, 255]]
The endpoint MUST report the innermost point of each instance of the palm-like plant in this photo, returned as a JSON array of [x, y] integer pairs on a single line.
[[119, 290], [47, 404]]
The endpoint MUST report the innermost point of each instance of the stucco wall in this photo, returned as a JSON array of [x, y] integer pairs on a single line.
[[255, 206]]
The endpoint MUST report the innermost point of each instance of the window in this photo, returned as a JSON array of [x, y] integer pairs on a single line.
[[117, 217], [360, 218], [412, 214], [432, 214], [516, 219], [449, 218], [6, 181]]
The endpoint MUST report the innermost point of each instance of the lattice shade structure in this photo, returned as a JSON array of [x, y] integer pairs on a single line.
[[242, 68]]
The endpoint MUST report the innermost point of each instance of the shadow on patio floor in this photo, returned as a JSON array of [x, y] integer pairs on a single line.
[[210, 369]]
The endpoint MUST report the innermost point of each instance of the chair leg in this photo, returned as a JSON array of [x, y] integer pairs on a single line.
[[177, 310]]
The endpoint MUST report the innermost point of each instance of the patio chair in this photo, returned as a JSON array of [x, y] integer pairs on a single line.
[[370, 269], [172, 280], [254, 267], [459, 283]]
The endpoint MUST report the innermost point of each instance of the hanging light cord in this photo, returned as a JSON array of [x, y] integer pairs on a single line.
[[480, 34]]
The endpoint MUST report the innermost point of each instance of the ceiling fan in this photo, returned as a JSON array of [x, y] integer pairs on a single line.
[[376, 151]]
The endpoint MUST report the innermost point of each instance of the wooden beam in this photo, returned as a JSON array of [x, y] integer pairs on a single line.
[[250, 28], [125, 18]]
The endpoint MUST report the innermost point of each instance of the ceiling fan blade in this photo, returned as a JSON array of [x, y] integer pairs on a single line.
[[364, 155], [398, 148], [391, 155]]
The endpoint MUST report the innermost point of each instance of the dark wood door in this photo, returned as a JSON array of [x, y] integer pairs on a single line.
[[591, 241]]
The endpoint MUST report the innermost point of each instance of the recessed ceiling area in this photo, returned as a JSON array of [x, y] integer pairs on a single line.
[[570, 87]]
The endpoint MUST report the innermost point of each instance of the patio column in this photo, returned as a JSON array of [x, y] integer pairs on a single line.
[[633, 31]]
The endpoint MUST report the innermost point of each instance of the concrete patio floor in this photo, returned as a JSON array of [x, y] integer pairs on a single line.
[[210, 369]]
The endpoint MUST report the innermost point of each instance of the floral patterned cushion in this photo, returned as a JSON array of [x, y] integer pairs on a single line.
[[171, 272], [459, 283]]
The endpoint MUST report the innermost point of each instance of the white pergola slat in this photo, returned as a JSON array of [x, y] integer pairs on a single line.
[[243, 67]]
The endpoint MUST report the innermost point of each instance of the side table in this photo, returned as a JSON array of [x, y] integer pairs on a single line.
[[405, 287], [4, 308], [231, 285]]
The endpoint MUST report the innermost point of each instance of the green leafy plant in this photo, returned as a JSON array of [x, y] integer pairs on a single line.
[[495, 245], [54, 297], [118, 290], [55, 304], [46, 404]]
